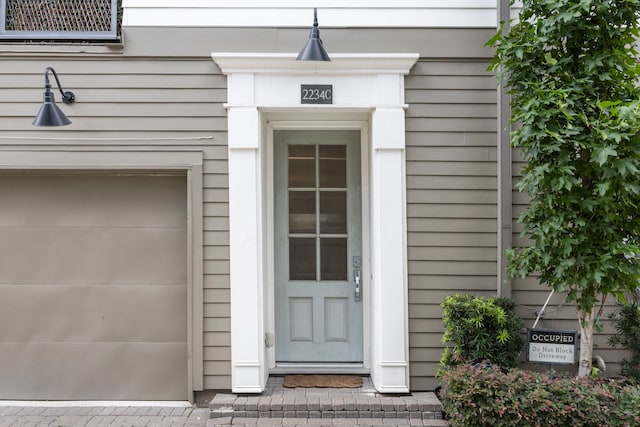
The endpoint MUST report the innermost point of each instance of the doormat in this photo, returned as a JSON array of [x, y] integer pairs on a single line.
[[323, 381]]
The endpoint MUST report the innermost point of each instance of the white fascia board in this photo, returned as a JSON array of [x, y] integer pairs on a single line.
[[297, 14]]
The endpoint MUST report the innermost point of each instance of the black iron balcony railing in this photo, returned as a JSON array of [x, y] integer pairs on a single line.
[[59, 19]]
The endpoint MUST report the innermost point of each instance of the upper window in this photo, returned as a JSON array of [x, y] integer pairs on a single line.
[[79, 20]]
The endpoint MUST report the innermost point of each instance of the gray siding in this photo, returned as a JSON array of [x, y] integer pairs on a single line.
[[200, 42], [451, 198], [147, 104]]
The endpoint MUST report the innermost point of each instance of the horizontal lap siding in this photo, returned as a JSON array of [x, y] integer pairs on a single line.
[[451, 198], [146, 104]]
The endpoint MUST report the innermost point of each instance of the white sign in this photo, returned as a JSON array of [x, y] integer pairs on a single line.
[[548, 346]]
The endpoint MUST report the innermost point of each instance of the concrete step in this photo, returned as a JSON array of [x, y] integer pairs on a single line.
[[307, 404]]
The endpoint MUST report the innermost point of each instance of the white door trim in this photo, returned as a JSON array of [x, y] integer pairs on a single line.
[[259, 83]]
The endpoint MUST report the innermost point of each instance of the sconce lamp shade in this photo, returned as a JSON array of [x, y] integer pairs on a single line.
[[314, 50], [50, 114]]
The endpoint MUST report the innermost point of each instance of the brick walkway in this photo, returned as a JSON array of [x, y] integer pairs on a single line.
[[124, 416], [277, 406], [166, 417]]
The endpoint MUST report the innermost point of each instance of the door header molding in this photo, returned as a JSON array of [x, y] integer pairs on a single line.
[[359, 81]]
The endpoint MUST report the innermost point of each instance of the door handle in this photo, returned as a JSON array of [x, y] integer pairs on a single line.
[[357, 278]]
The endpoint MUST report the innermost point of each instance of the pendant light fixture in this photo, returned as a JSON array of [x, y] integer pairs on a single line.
[[50, 114], [314, 50]]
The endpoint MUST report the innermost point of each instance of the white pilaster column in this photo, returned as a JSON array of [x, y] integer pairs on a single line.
[[245, 241], [390, 337]]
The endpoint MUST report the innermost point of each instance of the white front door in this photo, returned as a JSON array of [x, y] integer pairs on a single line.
[[318, 246]]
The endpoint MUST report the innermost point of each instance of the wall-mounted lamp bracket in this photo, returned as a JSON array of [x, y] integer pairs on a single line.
[[49, 113]]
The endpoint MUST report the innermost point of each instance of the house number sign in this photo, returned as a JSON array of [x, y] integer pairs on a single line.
[[316, 94]]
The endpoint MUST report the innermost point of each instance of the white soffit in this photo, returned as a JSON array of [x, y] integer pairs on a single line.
[[297, 13]]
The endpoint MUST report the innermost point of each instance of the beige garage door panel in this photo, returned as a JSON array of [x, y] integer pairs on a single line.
[[89, 255], [94, 313], [93, 286], [82, 200], [93, 371]]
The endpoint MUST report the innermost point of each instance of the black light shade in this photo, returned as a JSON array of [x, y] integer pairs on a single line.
[[314, 50], [49, 113]]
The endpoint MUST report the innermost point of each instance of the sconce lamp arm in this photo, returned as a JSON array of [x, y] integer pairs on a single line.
[[68, 97]]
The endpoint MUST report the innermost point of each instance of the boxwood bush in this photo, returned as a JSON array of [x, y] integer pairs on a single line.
[[479, 328], [486, 395]]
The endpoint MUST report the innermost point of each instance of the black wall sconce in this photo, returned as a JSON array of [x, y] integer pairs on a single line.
[[50, 114], [314, 50]]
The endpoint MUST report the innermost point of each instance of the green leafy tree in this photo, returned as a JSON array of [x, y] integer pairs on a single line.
[[570, 66]]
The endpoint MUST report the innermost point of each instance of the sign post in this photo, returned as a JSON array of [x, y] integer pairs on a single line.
[[552, 346]]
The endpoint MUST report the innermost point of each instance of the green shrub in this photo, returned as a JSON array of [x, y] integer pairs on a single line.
[[627, 412], [486, 395], [626, 322], [480, 329]]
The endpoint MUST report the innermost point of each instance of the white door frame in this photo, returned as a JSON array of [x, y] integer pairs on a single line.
[[259, 84]]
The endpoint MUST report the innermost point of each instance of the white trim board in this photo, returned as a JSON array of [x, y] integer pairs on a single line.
[[298, 14], [288, 4], [365, 85]]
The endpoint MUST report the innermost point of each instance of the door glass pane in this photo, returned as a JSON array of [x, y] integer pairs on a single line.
[[302, 166], [333, 259], [333, 212], [302, 258], [333, 166], [302, 212]]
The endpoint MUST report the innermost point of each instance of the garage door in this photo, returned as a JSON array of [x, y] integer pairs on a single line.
[[93, 286]]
